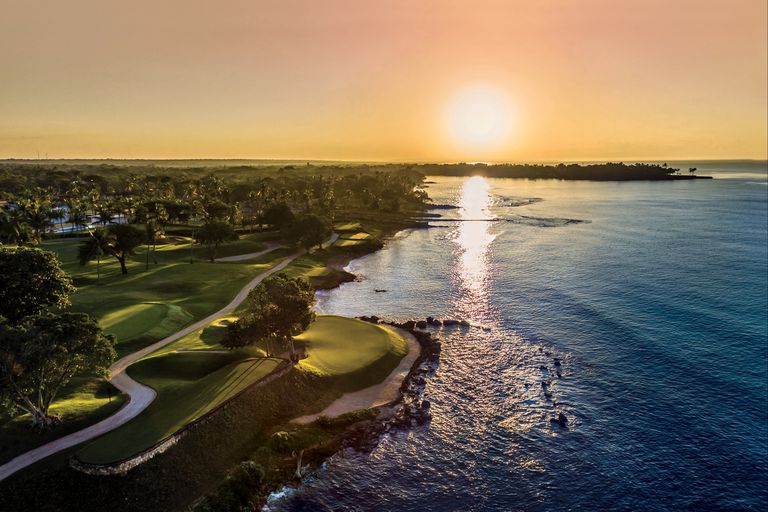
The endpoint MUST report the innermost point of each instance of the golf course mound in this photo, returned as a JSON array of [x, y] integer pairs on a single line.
[[152, 319], [188, 385], [354, 353]]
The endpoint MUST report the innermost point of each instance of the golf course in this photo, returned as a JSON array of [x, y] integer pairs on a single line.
[[168, 318]]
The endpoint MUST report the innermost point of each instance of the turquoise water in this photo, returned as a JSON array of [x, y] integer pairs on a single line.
[[655, 305]]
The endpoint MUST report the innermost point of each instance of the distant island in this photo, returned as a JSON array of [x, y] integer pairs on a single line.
[[57, 170], [608, 171]]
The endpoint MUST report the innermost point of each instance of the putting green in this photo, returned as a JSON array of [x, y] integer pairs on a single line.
[[336, 345]]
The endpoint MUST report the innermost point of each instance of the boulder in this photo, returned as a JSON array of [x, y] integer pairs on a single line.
[[561, 420]]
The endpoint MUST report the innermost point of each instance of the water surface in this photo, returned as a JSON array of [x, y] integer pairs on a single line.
[[656, 308]]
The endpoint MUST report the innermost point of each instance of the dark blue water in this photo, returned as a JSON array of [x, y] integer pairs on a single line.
[[656, 308]]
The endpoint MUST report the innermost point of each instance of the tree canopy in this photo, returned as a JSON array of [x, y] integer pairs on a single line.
[[213, 234], [278, 309], [126, 238], [309, 230], [33, 281], [40, 355]]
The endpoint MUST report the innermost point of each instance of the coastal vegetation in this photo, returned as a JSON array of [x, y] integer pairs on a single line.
[[126, 249]]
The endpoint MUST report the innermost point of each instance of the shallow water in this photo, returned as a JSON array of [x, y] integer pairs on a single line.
[[656, 307]]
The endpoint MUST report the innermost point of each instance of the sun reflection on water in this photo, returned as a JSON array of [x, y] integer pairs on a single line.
[[472, 269]]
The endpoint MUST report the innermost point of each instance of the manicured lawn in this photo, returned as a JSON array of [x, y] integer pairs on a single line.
[[82, 403], [190, 380], [138, 309], [147, 305], [188, 385], [347, 347]]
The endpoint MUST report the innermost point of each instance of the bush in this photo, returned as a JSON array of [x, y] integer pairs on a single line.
[[281, 442]]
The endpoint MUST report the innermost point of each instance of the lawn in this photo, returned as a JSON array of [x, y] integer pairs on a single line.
[[84, 402], [192, 376], [188, 385], [149, 304], [359, 354], [138, 309]]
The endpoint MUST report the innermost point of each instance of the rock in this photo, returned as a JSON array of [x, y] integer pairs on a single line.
[[379, 291], [409, 325], [464, 323], [543, 368], [421, 324], [557, 362], [559, 375], [449, 322], [426, 405], [430, 320], [561, 420]]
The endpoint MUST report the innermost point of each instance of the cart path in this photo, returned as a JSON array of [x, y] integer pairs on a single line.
[[271, 246], [139, 395]]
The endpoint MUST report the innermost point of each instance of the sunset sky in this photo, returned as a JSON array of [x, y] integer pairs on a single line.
[[384, 80]]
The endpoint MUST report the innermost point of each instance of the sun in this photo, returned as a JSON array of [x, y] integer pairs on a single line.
[[479, 118]]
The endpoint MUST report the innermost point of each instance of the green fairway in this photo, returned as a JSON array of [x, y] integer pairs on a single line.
[[191, 376], [148, 305], [347, 347], [188, 385], [204, 339], [150, 319]]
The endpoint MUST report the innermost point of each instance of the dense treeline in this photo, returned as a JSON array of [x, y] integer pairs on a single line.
[[596, 172], [38, 197]]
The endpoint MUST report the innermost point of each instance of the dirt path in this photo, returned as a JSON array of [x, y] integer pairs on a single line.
[[139, 395], [372, 396]]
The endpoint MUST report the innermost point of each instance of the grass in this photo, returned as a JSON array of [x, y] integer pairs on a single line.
[[190, 380], [337, 345], [188, 385], [138, 309], [83, 402], [149, 304]]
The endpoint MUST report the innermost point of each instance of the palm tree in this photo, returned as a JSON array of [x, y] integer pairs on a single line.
[[13, 228], [105, 211], [78, 218], [94, 247]]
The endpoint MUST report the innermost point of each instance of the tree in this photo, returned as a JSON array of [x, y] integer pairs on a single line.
[[105, 211], [214, 233], [127, 238], [278, 214], [33, 281], [94, 247], [278, 309], [309, 231], [14, 229], [692, 170], [78, 218], [39, 356]]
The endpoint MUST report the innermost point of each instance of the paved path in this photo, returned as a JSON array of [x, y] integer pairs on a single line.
[[373, 396], [271, 246], [139, 395]]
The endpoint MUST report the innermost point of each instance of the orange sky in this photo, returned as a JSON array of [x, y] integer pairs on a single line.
[[372, 80]]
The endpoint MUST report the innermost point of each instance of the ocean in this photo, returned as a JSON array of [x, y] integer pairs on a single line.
[[637, 309]]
